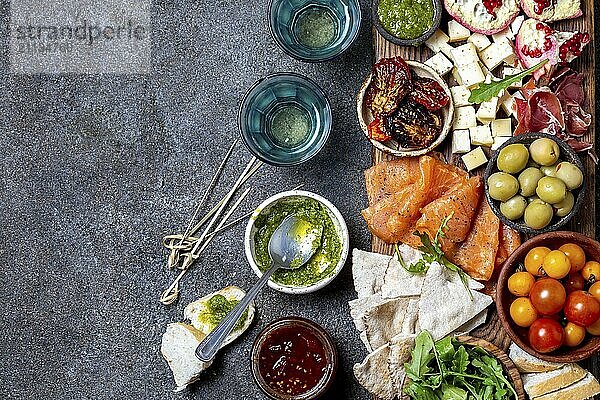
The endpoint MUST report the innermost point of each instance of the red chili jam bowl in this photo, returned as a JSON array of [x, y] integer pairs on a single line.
[[293, 358]]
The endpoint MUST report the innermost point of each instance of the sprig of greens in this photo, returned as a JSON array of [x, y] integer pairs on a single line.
[[487, 91], [432, 252], [459, 372]]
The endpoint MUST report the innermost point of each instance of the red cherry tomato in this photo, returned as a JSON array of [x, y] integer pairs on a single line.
[[582, 308], [574, 281], [548, 296], [546, 335]]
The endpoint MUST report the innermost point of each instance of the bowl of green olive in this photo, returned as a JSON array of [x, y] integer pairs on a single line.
[[535, 183]]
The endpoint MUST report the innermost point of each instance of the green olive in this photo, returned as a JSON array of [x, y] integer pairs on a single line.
[[538, 214], [544, 151], [502, 186], [551, 190], [514, 207], [528, 180], [564, 207], [569, 174], [513, 158], [549, 170]]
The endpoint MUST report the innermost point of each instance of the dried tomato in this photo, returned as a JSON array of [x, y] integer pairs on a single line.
[[413, 125], [390, 82], [377, 131], [428, 93]]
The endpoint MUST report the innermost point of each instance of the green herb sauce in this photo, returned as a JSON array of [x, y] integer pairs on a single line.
[[217, 307], [406, 19], [323, 262]]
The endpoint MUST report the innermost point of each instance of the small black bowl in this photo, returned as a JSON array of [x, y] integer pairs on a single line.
[[566, 154], [437, 18]]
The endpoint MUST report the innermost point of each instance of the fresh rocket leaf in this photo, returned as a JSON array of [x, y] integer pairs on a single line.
[[445, 349], [487, 91], [461, 360], [450, 392], [421, 355], [420, 267]]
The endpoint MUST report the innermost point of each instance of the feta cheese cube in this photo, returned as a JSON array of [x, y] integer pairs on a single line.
[[499, 141], [436, 40], [502, 127], [471, 74], [516, 24], [465, 54], [457, 32], [481, 136], [474, 159], [480, 41], [506, 33], [507, 71], [460, 96], [461, 143], [508, 106], [487, 110], [440, 64], [464, 118], [495, 54], [447, 50], [456, 76]]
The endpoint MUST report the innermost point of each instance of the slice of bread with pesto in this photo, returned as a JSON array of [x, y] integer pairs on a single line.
[[180, 340]]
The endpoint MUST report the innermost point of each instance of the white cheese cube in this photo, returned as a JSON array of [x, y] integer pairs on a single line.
[[499, 141], [507, 71], [447, 50], [506, 33], [464, 118], [461, 142], [474, 159], [456, 76], [516, 24], [436, 40], [502, 127], [480, 41], [487, 110], [457, 32], [440, 64], [465, 54], [471, 74], [495, 54], [481, 135], [508, 106], [460, 96]]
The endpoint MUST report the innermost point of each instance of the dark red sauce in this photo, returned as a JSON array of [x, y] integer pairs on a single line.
[[292, 360]]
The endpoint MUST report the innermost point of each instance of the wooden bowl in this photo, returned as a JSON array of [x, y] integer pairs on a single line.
[[508, 366], [553, 240], [391, 146], [566, 154]]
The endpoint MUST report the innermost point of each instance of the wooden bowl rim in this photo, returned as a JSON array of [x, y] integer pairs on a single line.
[[574, 355], [430, 73]]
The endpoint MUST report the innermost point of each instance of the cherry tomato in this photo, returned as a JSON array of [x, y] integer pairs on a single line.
[[574, 334], [582, 308], [534, 260], [522, 312], [591, 268], [575, 254], [594, 329], [548, 296], [594, 290], [574, 282], [556, 264], [546, 335], [520, 283]]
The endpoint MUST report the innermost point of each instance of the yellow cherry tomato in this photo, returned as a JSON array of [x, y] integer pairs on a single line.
[[520, 283], [574, 334], [575, 254], [591, 268], [534, 260], [594, 329], [556, 264], [522, 312], [595, 290]]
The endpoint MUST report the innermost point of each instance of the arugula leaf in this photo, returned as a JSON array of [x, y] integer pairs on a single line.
[[421, 355], [445, 349], [420, 267], [417, 391], [450, 392], [461, 360], [487, 91]]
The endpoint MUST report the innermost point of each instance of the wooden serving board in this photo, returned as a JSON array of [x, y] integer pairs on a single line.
[[585, 221]]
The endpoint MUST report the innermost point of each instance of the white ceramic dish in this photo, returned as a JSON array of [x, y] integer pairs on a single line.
[[391, 146], [340, 227]]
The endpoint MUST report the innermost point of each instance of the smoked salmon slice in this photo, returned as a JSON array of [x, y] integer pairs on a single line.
[[388, 177], [509, 241]]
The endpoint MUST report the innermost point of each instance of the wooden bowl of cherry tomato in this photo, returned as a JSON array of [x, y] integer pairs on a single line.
[[548, 296]]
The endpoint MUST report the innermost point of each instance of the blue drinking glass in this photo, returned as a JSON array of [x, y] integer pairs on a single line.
[[285, 119], [314, 30]]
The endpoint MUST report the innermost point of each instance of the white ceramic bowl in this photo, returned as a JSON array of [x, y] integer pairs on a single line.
[[391, 146], [340, 227]]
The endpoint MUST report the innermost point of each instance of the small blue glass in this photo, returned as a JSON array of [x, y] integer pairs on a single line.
[[278, 102], [314, 30]]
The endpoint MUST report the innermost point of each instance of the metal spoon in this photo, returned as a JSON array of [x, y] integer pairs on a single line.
[[291, 246]]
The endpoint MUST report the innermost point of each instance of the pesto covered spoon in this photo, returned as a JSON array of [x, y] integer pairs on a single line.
[[292, 244]]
